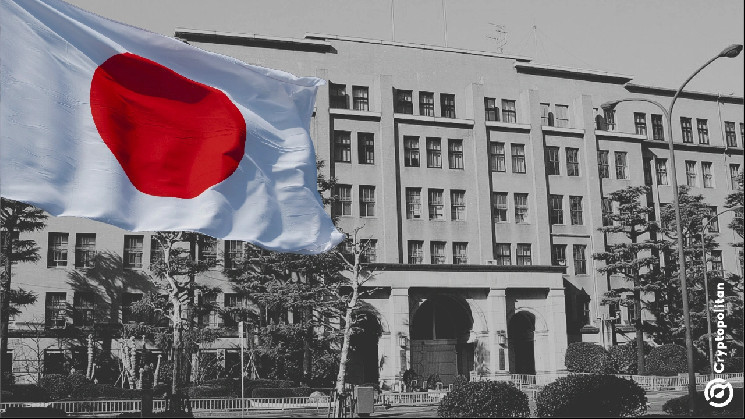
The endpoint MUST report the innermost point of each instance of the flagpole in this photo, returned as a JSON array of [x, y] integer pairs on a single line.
[[393, 22], [243, 347], [445, 22]]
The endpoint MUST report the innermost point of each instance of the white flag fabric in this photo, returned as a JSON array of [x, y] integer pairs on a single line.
[[106, 121]]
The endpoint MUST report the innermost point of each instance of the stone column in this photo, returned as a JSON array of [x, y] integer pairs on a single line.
[[399, 326], [557, 329], [497, 322]]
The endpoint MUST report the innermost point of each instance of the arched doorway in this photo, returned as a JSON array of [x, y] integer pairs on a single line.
[[521, 334], [362, 367], [440, 331]]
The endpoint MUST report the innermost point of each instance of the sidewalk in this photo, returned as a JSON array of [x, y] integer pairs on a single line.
[[380, 412]]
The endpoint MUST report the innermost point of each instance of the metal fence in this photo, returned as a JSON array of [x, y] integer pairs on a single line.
[[410, 399]]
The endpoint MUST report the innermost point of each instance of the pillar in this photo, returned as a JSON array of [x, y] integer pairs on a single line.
[[498, 360]]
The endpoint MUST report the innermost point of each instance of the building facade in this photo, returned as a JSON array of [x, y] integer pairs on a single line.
[[479, 180]]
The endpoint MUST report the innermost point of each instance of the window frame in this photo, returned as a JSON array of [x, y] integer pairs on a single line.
[[437, 252], [576, 210], [519, 164], [524, 254], [434, 153], [686, 129], [572, 159], [640, 123], [561, 118], [426, 104], [521, 208], [707, 175], [702, 126], [559, 254], [579, 255], [342, 206], [58, 253], [460, 253], [404, 102], [556, 209], [500, 256], [491, 111], [455, 154], [367, 201], [497, 160], [413, 203], [336, 100], [447, 105], [553, 161], [411, 154], [85, 253], [361, 98], [603, 164], [498, 209], [130, 254], [415, 252], [658, 127], [457, 205], [342, 146], [622, 170], [365, 148], [661, 171], [436, 206], [509, 111]]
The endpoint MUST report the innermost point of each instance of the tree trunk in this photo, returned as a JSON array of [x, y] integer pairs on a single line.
[[5, 304], [341, 377], [639, 332], [89, 368], [176, 402]]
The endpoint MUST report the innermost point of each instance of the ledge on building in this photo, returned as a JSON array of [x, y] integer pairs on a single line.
[[694, 147], [688, 94], [432, 120], [589, 330], [508, 126], [352, 114], [252, 40], [574, 73], [465, 268], [618, 134], [559, 130]]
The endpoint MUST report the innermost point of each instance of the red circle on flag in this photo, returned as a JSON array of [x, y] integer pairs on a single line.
[[172, 136]]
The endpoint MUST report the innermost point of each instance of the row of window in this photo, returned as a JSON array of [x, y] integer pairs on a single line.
[[339, 99], [343, 147], [559, 257], [621, 161], [437, 252], [435, 204], [498, 161], [404, 103], [556, 210], [558, 118], [553, 161], [434, 152], [686, 128], [503, 254]]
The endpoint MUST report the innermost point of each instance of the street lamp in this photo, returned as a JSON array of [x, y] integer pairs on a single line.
[[729, 52], [706, 280]]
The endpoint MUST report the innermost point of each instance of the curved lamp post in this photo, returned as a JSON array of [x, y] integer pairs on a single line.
[[704, 229], [729, 52]]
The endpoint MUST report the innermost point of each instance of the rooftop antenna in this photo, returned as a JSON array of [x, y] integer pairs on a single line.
[[393, 22], [500, 36], [445, 23], [535, 41]]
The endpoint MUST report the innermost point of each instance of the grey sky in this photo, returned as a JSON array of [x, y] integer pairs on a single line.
[[660, 42]]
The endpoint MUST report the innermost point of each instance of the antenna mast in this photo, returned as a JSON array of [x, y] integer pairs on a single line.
[[500, 36]]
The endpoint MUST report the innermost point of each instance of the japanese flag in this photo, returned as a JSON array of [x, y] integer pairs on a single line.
[[106, 121]]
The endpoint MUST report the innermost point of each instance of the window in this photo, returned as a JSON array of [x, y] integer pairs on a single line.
[[366, 147], [85, 249], [426, 104], [713, 220], [686, 129], [490, 109], [640, 123], [496, 157], [342, 147], [57, 250], [734, 176], [455, 154], [458, 205], [233, 302], [460, 253], [156, 251], [416, 255], [546, 117], [434, 153], [729, 134], [572, 161], [603, 164], [607, 210], [559, 254], [343, 203], [610, 118], [54, 362], [367, 201], [413, 203], [521, 208], [447, 105], [580, 263], [708, 176], [552, 163], [437, 252], [658, 132], [702, 126], [56, 310], [436, 205], [504, 254], [133, 252], [411, 151], [233, 253], [500, 206], [562, 116], [509, 112], [691, 173], [556, 209], [575, 210], [661, 166], [518, 158], [360, 98], [369, 251], [128, 299], [403, 102], [207, 250], [621, 165], [83, 309], [716, 263], [523, 257], [338, 96]]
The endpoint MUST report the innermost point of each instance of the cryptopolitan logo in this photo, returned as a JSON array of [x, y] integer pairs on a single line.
[[718, 392]]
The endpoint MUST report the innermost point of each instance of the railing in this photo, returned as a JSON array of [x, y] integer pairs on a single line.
[[416, 398]]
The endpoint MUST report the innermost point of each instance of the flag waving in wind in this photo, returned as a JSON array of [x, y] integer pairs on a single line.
[[102, 120]]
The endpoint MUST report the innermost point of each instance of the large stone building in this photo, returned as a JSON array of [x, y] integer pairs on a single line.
[[479, 177]]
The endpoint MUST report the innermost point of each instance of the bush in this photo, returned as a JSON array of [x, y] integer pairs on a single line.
[[586, 357], [591, 396], [432, 381], [282, 392], [679, 405], [229, 387], [667, 359], [485, 399], [623, 360], [90, 391], [460, 380], [60, 386], [24, 393]]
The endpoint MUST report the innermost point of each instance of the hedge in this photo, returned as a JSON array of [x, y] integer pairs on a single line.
[[667, 360], [24, 393], [586, 357], [60, 386], [484, 399], [281, 392], [591, 396], [679, 405], [623, 357]]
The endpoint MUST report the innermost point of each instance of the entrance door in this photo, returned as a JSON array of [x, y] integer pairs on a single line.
[[521, 333]]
